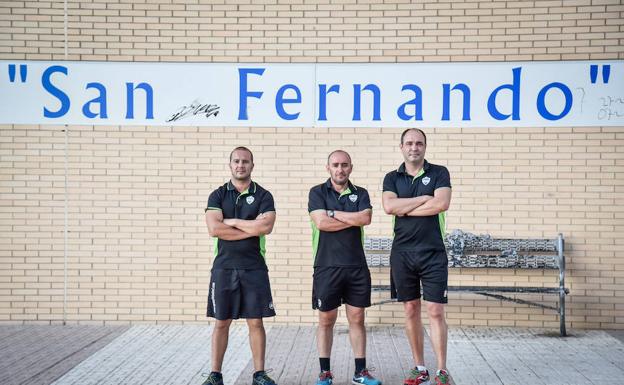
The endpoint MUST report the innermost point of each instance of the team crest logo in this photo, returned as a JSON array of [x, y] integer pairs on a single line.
[[353, 198], [271, 305], [250, 199], [426, 180]]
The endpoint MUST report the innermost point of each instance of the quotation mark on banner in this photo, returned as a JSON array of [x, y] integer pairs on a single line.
[[23, 71], [593, 73]]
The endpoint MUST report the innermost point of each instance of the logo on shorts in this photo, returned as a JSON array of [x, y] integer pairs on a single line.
[[212, 297], [426, 180], [250, 199], [318, 303], [353, 198], [271, 305]]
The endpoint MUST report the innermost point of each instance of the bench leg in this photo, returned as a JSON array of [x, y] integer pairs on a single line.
[[562, 326]]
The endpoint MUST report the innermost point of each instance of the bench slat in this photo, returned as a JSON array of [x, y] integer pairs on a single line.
[[493, 289], [376, 259]]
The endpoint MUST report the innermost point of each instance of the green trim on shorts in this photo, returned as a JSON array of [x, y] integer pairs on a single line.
[[263, 246], [316, 234], [442, 222]]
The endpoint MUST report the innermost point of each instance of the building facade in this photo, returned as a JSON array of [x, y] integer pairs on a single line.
[[138, 248]]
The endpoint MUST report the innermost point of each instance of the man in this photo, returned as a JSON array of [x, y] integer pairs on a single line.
[[418, 195], [339, 210], [239, 214]]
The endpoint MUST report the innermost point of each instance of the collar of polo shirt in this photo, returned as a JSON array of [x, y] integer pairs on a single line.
[[426, 166], [230, 186], [350, 187]]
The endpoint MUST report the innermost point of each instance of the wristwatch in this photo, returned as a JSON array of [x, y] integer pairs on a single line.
[[330, 213]]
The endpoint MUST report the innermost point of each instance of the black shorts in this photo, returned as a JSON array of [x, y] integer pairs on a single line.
[[235, 294], [409, 269], [333, 286]]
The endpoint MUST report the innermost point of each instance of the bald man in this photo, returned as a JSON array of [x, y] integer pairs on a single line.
[[339, 210]]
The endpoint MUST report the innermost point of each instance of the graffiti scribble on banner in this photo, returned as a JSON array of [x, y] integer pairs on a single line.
[[612, 107], [195, 108]]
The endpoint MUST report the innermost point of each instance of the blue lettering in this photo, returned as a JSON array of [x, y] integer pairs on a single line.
[[323, 91], [446, 100], [57, 93], [101, 100], [243, 93], [515, 90], [357, 101], [416, 102], [279, 101], [541, 105], [149, 100]]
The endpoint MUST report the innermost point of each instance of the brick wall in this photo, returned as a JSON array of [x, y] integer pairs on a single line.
[[138, 247]]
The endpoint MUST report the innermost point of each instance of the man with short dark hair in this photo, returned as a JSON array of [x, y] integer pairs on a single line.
[[339, 210], [418, 194], [239, 215]]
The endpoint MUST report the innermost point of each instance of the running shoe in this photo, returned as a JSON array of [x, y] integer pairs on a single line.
[[364, 378], [325, 378], [442, 377], [262, 379], [213, 379], [417, 377]]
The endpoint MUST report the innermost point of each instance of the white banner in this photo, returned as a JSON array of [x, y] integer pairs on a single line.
[[517, 94]]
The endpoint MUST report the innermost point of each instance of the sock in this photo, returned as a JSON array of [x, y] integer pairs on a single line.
[[218, 374], [259, 372], [324, 364], [421, 368], [360, 364]]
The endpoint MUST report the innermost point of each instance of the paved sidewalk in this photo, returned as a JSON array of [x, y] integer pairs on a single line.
[[177, 355], [38, 355]]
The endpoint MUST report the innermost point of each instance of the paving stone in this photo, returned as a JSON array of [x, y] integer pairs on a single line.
[[38, 355], [180, 354]]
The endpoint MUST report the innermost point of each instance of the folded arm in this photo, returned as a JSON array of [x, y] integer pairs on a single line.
[[359, 218], [394, 205], [262, 225], [440, 202], [217, 227], [325, 223]]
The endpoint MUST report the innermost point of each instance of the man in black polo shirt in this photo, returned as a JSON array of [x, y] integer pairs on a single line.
[[239, 214], [418, 195], [339, 210]]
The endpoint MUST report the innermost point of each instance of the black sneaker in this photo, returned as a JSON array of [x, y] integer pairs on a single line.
[[214, 379], [262, 379]]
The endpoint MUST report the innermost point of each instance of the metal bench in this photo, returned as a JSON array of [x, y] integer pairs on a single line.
[[467, 250]]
